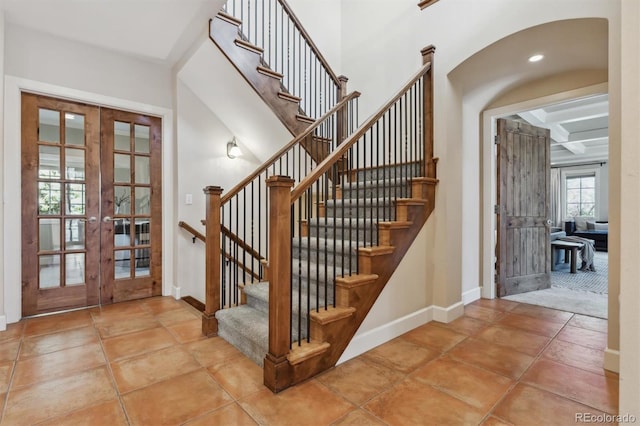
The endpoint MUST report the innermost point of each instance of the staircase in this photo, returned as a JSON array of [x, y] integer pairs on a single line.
[[298, 252]]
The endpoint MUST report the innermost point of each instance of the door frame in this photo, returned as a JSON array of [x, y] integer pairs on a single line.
[[489, 166], [11, 211]]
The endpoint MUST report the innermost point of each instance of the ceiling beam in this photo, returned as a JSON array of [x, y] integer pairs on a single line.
[[559, 134], [579, 113]]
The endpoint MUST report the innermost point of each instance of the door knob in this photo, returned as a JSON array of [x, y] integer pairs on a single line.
[[107, 219]]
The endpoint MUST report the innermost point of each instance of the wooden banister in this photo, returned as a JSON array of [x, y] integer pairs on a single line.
[[192, 231], [309, 41], [326, 164], [236, 189], [277, 374], [247, 248], [212, 261]]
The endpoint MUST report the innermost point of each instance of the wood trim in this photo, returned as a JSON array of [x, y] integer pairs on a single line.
[[426, 3], [309, 41], [194, 302], [342, 149], [298, 139]]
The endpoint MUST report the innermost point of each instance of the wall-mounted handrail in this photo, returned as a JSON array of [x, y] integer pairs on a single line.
[[194, 232], [426, 3], [278, 155]]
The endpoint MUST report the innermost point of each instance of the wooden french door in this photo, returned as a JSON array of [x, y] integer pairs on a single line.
[[524, 250], [77, 249]]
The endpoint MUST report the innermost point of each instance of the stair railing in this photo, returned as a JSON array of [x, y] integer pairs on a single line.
[[238, 223], [289, 50], [376, 165]]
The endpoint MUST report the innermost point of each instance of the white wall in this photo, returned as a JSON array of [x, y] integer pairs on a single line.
[[41, 57], [202, 161], [45, 64], [627, 181], [323, 21], [3, 318]]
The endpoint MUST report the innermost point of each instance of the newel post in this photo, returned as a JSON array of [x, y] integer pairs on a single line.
[[427, 123], [212, 261], [277, 371], [343, 117]]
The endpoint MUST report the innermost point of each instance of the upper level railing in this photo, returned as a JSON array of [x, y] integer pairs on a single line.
[[237, 223], [376, 164], [289, 50]]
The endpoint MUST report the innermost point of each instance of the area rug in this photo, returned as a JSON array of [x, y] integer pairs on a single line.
[[584, 292], [595, 282], [564, 299]]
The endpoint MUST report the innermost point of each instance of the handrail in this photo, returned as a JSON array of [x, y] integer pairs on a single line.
[[192, 231], [309, 41], [426, 3], [334, 156], [233, 237], [236, 189]]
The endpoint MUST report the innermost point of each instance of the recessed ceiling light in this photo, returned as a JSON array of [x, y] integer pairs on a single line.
[[536, 58]]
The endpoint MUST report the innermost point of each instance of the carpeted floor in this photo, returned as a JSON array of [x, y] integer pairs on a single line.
[[581, 293]]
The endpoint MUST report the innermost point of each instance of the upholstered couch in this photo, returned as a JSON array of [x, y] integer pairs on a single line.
[[584, 227]]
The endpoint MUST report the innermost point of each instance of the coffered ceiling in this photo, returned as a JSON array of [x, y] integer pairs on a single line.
[[579, 129]]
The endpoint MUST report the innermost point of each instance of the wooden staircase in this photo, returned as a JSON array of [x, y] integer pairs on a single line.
[[225, 32], [338, 219]]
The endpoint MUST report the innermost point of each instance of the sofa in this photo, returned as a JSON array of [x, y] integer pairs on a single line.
[[588, 227]]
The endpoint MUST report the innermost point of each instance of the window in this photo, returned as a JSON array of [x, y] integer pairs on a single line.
[[581, 195]]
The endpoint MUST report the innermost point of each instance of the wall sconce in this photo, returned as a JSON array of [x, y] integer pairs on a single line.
[[233, 150]]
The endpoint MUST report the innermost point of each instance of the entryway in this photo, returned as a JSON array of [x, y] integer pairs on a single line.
[[91, 205]]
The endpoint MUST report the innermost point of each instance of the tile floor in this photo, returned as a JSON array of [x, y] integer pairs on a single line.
[[145, 363]]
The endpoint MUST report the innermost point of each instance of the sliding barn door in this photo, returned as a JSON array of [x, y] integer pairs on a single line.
[[524, 250]]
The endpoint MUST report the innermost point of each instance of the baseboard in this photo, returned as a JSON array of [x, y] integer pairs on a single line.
[[471, 295], [372, 338], [3, 322], [175, 292], [448, 314], [612, 360]]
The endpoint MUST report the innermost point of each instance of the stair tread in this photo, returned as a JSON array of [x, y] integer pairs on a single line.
[[338, 221], [260, 292], [248, 321]]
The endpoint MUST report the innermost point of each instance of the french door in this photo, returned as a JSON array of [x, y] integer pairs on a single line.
[[91, 205]]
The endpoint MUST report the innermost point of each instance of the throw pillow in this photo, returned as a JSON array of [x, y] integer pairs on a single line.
[[602, 227], [581, 223], [591, 225]]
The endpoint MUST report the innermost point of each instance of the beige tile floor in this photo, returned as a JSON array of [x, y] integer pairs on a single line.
[[145, 363]]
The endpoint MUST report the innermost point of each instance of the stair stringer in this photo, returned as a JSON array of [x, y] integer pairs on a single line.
[[359, 293], [247, 59]]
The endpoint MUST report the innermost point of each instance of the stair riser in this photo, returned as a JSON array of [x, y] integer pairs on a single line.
[[245, 345], [389, 172], [352, 191], [364, 235], [324, 257], [262, 305], [367, 210]]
